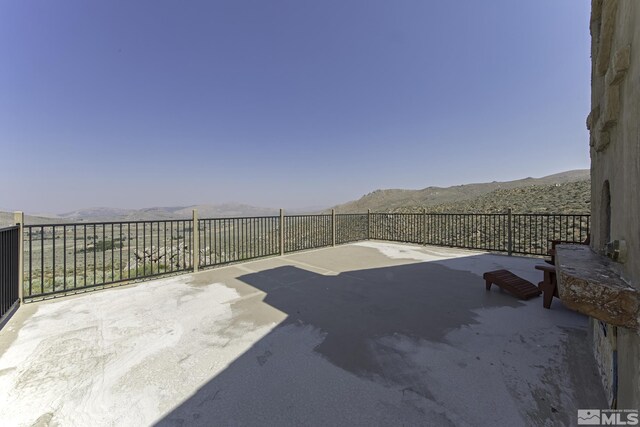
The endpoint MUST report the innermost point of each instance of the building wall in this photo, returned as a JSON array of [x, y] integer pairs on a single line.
[[614, 124]]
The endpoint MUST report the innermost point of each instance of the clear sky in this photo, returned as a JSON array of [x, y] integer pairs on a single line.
[[291, 103]]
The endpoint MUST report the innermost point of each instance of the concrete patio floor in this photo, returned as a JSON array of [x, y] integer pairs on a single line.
[[370, 333]]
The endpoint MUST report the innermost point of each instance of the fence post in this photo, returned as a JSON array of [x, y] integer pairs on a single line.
[[424, 226], [196, 241], [19, 220], [509, 233], [281, 232], [368, 224], [333, 227]]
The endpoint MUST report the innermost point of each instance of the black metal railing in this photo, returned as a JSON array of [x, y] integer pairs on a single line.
[[397, 227], [9, 269], [532, 233], [226, 240], [487, 232], [303, 232], [64, 257], [60, 258], [526, 234], [351, 228], [470, 231]]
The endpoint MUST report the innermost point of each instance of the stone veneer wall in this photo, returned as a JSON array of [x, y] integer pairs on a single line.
[[614, 124]]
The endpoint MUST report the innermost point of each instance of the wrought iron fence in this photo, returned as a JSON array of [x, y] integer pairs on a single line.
[[351, 228], [399, 227], [533, 232], [60, 258], [526, 234], [226, 240], [64, 257], [307, 232], [9, 269], [472, 231]]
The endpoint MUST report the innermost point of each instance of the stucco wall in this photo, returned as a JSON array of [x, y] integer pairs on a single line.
[[614, 124]]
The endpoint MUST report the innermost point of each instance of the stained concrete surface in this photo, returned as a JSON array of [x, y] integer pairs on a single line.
[[365, 334]]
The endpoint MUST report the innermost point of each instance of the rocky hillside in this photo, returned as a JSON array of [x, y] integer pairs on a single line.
[[567, 198], [559, 193]]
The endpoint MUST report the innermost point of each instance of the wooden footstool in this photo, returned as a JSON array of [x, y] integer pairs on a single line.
[[515, 285]]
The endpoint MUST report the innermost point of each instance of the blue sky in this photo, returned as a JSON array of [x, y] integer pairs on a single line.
[[289, 103]]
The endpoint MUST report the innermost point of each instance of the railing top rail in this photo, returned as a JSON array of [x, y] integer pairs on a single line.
[[239, 217], [438, 213], [551, 214], [11, 228], [71, 224], [305, 215], [475, 213], [468, 213]]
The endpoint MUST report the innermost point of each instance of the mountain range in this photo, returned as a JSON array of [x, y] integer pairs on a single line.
[[165, 212], [565, 192], [394, 200]]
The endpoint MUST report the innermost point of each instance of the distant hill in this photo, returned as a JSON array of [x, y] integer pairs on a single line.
[[566, 192], [562, 192], [6, 220], [566, 198], [103, 214], [173, 212]]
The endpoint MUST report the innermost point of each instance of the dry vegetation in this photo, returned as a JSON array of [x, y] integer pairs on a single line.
[[567, 192], [567, 198]]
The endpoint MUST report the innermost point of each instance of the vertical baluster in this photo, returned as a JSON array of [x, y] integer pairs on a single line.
[[64, 257]]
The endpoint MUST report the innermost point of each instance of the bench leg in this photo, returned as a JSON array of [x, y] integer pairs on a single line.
[[549, 290], [488, 285], [549, 287], [548, 296]]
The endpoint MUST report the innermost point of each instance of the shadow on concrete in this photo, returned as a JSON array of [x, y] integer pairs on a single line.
[[421, 301], [351, 311]]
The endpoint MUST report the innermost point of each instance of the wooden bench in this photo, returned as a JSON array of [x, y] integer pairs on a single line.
[[511, 283]]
